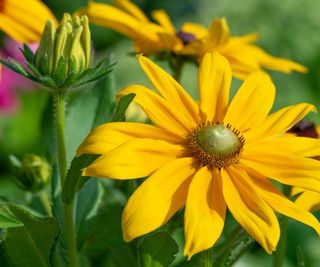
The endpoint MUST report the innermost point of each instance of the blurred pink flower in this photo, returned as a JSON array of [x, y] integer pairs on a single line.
[[10, 82]]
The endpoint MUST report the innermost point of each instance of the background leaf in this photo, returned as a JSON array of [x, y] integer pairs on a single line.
[[157, 250], [31, 244]]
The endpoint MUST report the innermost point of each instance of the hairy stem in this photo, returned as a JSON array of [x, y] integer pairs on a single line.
[[68, 209]]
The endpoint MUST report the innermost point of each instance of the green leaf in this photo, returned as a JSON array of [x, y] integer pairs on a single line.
[[123, 104], [157, 250], [17, 68], [7, 219], [72, 182], [106, 104], [35, 71], [31, 244], [88, 202], [28, 54]]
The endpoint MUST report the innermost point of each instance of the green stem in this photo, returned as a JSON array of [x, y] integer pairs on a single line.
[[69, 230], [176, 64], [60, 128], [279, 255], [46, 202], [207, 258]]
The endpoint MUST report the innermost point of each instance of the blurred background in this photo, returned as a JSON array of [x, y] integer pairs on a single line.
[[287, 28]]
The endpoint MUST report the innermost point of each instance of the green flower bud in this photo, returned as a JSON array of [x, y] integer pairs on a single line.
[[33, 173], [44, 55], [66, 51]]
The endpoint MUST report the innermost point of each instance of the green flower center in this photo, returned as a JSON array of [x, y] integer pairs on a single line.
[[216, 145]]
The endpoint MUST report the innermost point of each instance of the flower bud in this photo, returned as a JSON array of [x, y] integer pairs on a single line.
[[33, 173], [66, 50]]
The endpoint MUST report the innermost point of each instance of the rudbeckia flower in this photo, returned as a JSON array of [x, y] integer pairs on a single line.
[[24, 20], [243, 56], [208, 157], [192, 40]]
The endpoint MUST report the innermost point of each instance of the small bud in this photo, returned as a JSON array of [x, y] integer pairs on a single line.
[[33, 173], [46, 47]]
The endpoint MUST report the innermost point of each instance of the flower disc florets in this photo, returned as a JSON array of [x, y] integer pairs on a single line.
[[216, 145]]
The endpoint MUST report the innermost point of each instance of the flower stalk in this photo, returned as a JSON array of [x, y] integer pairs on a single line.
[[62, 166]]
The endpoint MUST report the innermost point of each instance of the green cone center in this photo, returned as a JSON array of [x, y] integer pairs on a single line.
[[217, 140]]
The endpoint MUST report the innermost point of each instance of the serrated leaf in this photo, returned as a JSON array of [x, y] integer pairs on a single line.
[[34, 70], [70, 80], [122, 106], [31, 244], [28, 54], [19, 67], [102, 69], [7, 219], [13, 67], [157, 250]]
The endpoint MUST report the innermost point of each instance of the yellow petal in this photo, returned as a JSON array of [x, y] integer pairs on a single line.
[[197, 30], [252, 102], [24, 20], [282, 204], [309, 201], [219, 32], [300, 146], [205, 212], [132, 9], [163, 19], [157, 199], [110, 135], [163, 113], [275, 63], [249, 209], [214, 85], [118, 20], [284, 167], [279, 122], [134, 159], [171, 90]]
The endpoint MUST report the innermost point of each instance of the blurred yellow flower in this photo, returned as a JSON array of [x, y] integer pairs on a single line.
[[193, 39], [24, 20], [243, 56], [207, 156]]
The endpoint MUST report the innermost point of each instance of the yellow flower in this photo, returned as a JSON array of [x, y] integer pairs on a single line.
[[129, 20], [244, 57], [193, 39], [24, 20], [207, 157]]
